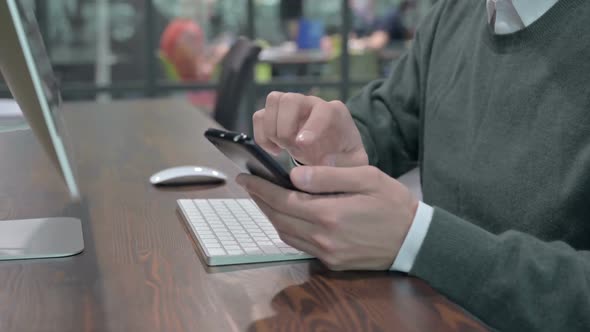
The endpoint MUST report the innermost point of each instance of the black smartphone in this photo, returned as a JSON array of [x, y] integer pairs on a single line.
[[250, 157]]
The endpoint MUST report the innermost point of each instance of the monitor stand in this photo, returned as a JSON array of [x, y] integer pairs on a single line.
[[40, 238], [11, 117]]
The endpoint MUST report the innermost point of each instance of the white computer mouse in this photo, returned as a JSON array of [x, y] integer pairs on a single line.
[[187, 175]]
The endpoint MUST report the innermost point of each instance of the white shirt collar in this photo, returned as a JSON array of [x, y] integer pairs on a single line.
[[513, 15]]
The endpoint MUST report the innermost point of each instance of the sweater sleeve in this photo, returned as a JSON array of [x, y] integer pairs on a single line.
[[387, 112], [512, 281]]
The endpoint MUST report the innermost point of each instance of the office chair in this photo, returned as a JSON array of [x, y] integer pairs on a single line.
[[237, 72]]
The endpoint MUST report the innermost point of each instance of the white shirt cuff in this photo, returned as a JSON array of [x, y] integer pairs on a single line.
[[414, 239]]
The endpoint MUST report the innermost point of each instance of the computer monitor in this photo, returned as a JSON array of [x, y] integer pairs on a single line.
[[26, 69]]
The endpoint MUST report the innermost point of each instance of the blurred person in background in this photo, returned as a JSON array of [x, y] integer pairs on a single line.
[[184, 46], [290, 12], [379, 32]]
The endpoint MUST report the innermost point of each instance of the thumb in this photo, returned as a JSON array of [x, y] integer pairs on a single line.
[[324, 180]]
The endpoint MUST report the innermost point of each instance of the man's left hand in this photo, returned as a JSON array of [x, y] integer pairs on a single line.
[[349, 218]]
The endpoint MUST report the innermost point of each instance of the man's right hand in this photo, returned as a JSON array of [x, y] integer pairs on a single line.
[[313, 131]]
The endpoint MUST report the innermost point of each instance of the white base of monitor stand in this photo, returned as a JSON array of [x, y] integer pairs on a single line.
[[40, 238]]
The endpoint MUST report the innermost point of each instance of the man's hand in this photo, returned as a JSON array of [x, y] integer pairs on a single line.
[[313, 131], [361, 226]]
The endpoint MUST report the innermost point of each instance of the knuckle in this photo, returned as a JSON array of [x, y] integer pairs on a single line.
[[286, 238], [324, 243], [330, 220], [270, 213], [332, 262], [257, 116], [297, 198], [283, 236], [290, 199], [277, 203], [290, 97], [283, 135], [273, 97], [331, 113], [272, 216], [372, 172], [302, 197], [337, 105]]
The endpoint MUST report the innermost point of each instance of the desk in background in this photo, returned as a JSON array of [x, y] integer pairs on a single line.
[[291, 64], [282, 56], [141, 271]]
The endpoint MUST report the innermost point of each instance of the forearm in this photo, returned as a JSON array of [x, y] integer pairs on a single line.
[[512, 281]]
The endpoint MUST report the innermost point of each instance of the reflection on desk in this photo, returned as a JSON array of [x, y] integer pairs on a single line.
[[141, 271]]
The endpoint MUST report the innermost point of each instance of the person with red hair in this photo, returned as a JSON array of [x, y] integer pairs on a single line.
[[183, 45]]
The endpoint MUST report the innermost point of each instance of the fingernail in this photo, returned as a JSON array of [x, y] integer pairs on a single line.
[[302, 176], [305, 136]]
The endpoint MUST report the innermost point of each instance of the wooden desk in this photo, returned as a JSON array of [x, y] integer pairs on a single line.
[[140, 270]]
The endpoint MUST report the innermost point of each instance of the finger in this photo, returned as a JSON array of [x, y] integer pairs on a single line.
[[260, 135], [322, 179], [318, 136], [304, 246], [293, 110], [270, 114], [292, 203], [287, 225]]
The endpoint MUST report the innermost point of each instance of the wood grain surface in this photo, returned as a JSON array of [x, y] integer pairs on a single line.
[[141, 271]]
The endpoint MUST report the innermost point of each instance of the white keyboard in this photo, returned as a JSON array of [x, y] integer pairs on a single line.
[[235, 231]]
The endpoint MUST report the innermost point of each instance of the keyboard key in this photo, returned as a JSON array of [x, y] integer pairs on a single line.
[[207, 236], [270, 249], [216, 252], [253, 251], [290, 251]]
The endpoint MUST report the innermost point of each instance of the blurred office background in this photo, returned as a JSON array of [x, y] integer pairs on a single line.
[[118, 49]]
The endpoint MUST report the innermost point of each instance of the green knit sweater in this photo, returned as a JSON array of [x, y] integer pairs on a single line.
[[500, 127]]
